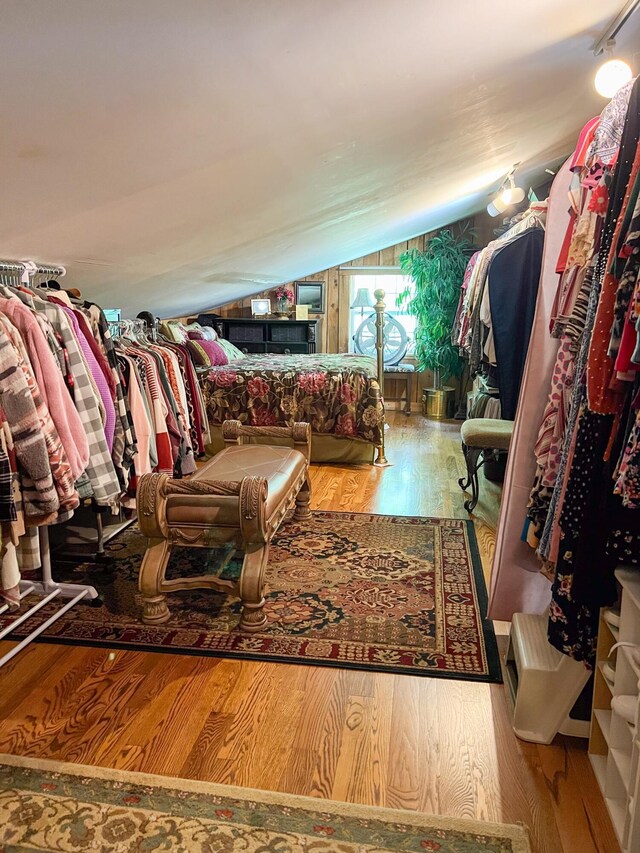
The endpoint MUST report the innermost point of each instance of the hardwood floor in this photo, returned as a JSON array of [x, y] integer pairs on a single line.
[[437, 745]]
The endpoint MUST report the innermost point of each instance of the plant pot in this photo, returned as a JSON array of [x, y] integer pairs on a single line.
[[439, 403]]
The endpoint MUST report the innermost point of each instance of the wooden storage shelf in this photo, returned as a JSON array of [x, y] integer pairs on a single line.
[[613, 746], [269, 335]]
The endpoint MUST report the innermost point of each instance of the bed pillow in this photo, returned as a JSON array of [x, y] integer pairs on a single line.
[[209, 333], [198, 356], [214, 351], [178, 331], [172, 331], [195, 335], [231, 351]]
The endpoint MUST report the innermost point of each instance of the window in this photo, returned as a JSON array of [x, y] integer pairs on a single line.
[[393, 286]]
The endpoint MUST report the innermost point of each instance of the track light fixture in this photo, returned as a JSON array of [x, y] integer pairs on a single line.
[[613, 74], [508, 195]]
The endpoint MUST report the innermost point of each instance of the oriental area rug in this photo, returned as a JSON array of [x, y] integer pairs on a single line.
[[48, 805], [352, 590]]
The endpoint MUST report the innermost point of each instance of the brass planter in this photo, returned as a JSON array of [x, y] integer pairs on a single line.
[[439, 403]]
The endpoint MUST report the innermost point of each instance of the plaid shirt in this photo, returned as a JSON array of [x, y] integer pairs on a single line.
[[100, 470]]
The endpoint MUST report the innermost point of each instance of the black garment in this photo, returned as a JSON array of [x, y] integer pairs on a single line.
[[514, 276]]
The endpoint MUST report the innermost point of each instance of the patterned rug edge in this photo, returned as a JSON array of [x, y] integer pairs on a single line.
[[493, 676], [516, 833], [488, 632]]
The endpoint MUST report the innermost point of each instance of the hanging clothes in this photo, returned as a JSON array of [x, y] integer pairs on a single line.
[[168, 402], [577, 519], [512, 310], [474, 329], [511, 589]]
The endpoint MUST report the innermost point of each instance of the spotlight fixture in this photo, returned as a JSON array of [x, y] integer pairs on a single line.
[[612, 76], [508, 194], [614, 73]]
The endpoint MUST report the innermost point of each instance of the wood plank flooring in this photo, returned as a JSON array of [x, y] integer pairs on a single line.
[[437, 745]]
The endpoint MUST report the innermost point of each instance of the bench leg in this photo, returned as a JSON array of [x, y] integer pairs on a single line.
[[154, 564], [252, 587], [472, 457], [302, 501]]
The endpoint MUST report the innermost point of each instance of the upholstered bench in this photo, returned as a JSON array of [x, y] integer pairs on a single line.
[[239, 496], [481, 436]]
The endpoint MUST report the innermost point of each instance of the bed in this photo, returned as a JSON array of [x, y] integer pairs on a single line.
[[338, 394]]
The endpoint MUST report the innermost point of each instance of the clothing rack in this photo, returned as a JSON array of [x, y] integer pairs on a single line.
[[47, 587], [30, 268]]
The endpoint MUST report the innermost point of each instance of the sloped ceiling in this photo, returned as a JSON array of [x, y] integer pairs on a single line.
[[177, 154]]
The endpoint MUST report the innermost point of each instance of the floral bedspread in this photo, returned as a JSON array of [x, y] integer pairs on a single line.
[[337, 394]]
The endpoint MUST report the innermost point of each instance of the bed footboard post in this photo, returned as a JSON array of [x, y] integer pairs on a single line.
[[381, 459]]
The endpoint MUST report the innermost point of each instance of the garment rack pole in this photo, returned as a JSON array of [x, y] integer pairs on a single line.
[[46, 587]]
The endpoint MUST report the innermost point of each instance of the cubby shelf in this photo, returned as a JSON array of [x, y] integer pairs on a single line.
[[613, 745]]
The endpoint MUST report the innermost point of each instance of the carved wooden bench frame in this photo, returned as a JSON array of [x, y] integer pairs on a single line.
[[253, 532]]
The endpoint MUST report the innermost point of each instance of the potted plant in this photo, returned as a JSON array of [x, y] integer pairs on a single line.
[[284, 300], [437, 273]]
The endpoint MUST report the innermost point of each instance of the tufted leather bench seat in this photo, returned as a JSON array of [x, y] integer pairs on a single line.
[[240, 496], [481, 437]]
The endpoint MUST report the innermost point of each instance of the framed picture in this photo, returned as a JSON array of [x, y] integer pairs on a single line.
[[260, 307], [310, 293]]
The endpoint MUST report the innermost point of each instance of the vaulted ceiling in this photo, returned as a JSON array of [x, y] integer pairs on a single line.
[[176, 154]]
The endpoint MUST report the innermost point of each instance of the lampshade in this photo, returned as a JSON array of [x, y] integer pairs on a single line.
[[363, 298]]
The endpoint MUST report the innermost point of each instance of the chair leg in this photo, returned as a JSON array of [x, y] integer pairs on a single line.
[[154, 565], [251, 587], [472, 457], [302, 501]]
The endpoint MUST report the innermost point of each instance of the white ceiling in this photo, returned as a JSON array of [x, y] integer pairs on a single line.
[[176, 154]]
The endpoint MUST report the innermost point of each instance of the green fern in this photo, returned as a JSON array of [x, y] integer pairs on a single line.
[[437, 273]]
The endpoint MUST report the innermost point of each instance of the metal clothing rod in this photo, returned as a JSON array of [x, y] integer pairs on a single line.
[[32, 267], [41, 628], [24, 591], [28, 613], [48, 588], [47, 585], [615, 26]]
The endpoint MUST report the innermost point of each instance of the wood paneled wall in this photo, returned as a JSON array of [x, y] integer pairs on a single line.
[[333, 325]]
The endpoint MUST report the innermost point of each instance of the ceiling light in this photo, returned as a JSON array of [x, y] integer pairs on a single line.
[[511, 194], [614, 73], [508, 195], [612, 76]]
